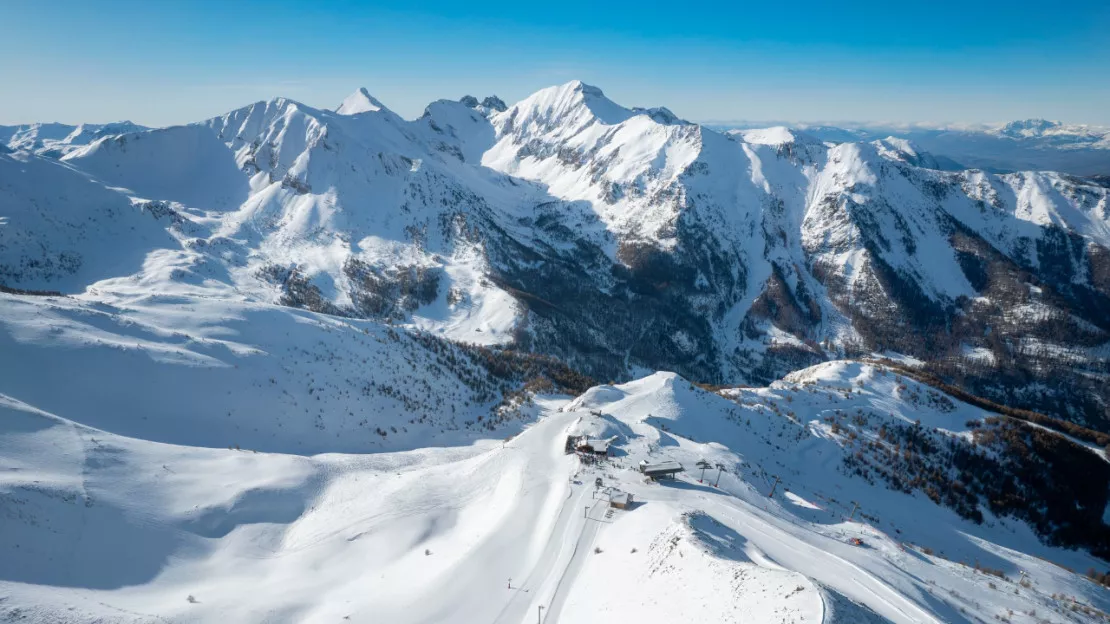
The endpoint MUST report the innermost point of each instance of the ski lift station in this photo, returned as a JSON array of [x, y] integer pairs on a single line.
[[662, 470], [583, 444]]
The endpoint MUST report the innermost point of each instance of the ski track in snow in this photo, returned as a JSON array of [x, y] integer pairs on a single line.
[[831, 567], [578, 558]]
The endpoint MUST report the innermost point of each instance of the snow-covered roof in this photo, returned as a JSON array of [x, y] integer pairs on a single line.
[[661, 467], [595, 427], [599, 446], [620, 498]]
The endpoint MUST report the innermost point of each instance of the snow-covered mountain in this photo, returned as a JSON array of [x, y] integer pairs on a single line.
[[1070, 136], [1029, 144], [620, 239], [63, 230], [328, 283], [57, 139]]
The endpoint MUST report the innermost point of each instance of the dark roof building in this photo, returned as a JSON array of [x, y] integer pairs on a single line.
[[667, 469], [593, 446]]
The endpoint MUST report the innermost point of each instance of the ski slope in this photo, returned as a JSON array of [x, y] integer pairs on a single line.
[[497, 530]]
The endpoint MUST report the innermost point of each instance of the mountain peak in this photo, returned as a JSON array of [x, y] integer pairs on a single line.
[[905, 151], [1028, 127], [495, 103], [581, 87], [490, 104], [574, 100], [774, 135], [661, 115], [359, 102]]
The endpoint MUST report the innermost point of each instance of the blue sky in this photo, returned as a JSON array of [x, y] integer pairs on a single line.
[[162, 62]]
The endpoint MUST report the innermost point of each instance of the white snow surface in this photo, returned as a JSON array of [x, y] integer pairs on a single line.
[[57, 139], [493, 530], [184, 164], [359, 102], [1030, 144], [62, 230]]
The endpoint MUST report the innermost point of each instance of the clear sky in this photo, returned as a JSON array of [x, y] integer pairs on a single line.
[[161, 62]]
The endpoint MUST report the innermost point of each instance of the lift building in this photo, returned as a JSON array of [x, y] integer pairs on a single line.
[[662, 470], [588, 446]]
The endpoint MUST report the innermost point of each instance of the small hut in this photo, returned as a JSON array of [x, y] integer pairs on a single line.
[[620, 500]]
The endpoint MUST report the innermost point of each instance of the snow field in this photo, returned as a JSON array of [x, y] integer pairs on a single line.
[[435, 534]]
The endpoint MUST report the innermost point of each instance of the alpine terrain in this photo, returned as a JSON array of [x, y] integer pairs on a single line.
[[1027, 144], [326, 365]]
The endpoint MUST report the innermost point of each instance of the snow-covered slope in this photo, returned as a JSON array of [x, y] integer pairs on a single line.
[[500, 531], [184, 164], [359, 102], [204, 372], [56, 140], [61, 230], [1065, 136], [584, 147], [622, 239]]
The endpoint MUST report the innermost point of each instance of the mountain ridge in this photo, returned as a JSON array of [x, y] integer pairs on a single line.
[[618, 238], [1020, 145]]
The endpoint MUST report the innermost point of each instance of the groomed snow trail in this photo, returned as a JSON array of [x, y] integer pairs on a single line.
[[793, 552], [526, 543], [568, 529], [582, 549]]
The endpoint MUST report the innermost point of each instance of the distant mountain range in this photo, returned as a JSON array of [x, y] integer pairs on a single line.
[[57, 139], [1031, 144]]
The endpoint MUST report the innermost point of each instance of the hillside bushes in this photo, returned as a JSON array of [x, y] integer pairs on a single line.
[[1011, 468]]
